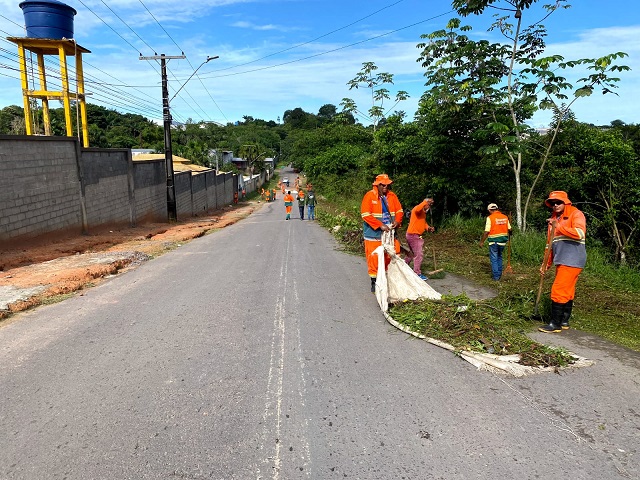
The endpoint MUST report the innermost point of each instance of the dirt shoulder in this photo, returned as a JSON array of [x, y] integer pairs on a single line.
[[38, 272]]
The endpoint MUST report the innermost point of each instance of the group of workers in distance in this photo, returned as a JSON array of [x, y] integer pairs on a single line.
[[307, 200], [268, 195], [381, 211]]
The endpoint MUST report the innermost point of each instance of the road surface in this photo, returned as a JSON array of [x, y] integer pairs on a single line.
[[258, 352]]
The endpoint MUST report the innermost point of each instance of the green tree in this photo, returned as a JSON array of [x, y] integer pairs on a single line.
[[508, 81], [327, 112], [376, 83], [8, 118]]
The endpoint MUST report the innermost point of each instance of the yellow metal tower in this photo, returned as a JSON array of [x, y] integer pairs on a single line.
[[63, 48]]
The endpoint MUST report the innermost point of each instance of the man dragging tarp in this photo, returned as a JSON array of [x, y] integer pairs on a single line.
[[381, 212]]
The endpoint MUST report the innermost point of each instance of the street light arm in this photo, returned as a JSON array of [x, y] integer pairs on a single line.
[[194, 72]]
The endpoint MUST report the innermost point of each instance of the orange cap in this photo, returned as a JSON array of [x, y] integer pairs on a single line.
[[558, 195], [383, 179]]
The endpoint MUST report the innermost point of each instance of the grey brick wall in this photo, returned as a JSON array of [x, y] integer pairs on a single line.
[[49, 184], [228, 188], [183, 195], [220, 190], [149, 180], [108, 196], [199, 193], [210, 179], [39, 186]]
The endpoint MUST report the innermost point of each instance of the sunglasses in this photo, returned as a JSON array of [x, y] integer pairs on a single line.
[[553, 203]]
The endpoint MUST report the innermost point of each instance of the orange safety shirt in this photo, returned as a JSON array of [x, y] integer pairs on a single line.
[[568, 247], [288, 200], [418, 221], [498, 227], [371, 211]]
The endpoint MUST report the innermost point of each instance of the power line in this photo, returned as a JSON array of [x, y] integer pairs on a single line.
[[54, 76], [188, 61], [71, 69], [132, 30], [315, 39], [328, 51]]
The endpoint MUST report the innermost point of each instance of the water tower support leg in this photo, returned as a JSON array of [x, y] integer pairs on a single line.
[[65, 91], [25, 89], [46, 118]]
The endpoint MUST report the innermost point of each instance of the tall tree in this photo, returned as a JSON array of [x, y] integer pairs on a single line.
[[376, 84], [508, 81]]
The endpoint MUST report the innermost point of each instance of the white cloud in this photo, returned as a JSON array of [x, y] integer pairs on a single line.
[[595, 43], [252, 26]]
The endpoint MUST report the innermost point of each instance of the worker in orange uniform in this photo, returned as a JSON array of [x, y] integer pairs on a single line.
[[497, 230], [381, 211], [288, 204], [568, 253], [273, 195], [262, 194], [267, 195], [417, 226]]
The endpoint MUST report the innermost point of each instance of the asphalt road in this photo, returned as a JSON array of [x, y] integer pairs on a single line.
[[258, 352]]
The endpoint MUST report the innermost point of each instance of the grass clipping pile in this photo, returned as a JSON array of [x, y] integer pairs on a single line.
[[490, 337]]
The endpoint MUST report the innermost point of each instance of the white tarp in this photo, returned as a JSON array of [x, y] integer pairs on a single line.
[[399, 282]]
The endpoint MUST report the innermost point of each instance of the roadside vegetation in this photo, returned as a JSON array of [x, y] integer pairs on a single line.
[[606, 299]]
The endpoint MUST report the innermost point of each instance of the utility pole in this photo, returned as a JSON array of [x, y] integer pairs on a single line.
[[168, 152]]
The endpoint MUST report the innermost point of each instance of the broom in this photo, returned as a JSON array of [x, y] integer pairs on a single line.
[[509, 269], [545, 261]]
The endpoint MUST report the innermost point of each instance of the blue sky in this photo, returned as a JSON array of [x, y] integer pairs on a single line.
[[282, 54]]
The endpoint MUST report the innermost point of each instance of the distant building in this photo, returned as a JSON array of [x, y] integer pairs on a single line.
[[240, 163], [179, 164], [141, 151]]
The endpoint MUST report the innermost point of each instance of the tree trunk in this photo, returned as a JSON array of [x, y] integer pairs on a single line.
[[520, 220]]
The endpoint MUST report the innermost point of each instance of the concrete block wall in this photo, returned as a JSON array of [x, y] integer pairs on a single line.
[[39, 186], [220, 201], [210, 180], [51, 185], [229, 188], [199, 193], [107, 176], [150, 187], [184, 199]]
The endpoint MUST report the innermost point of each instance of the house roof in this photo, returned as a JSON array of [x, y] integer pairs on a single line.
[[179, 164]]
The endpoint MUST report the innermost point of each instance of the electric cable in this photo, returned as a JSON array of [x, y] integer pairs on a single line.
[[328, 51]]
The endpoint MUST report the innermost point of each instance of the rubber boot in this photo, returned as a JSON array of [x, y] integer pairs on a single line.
[[373, 284], [557, 312], [566, 314]]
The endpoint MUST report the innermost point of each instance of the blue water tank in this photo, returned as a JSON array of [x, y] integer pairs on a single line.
[[48, 19]]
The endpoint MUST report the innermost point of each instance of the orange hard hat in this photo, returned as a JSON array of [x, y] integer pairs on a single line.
[[383, 179], [558, 195]]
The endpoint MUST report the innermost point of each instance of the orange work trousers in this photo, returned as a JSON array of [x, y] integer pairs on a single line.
[[564, 285], [372, 260]]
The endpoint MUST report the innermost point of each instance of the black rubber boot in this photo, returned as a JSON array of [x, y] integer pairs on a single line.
[[557, 312], [373, 284], [566, 314]]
